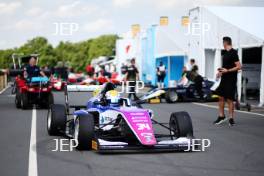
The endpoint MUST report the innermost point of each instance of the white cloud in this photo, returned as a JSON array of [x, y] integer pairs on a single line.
[[35, 11], [9, 8], [76, 8], [98, 25], [27, 25], [122, 3]]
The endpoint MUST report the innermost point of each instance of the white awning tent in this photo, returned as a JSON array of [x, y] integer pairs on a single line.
[[169, 41], [243, 24]]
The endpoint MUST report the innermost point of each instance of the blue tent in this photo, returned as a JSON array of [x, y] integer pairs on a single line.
[[158, 45]]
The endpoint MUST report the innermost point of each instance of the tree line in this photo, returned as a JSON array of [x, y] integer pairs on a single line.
[[76, 55]]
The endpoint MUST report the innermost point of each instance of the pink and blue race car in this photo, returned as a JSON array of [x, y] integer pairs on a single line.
[[109, 122]]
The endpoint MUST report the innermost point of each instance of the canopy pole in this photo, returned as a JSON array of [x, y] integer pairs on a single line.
[[239, 75], [217, 61], [261, 90]]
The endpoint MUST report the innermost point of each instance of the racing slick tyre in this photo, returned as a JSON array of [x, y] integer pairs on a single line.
[[56, 120], [50, 100], [18, 99], [84, 131], [181, 125], [171, 96], [24, 101]]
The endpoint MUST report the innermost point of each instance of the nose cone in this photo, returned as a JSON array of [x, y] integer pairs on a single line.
[[140, 123]]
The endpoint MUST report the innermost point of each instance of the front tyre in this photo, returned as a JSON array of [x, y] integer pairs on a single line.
[[24, 101], [181, 125], [56, 120], [84, 131], [18, 99]]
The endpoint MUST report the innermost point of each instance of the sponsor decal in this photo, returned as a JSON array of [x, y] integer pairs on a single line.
[[140, 123], [94, 145]]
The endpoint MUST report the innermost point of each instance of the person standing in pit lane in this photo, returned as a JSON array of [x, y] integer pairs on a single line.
[[90, 70], [227, 88], [190, 65], [123, 69], [132, 76], [161, 74]]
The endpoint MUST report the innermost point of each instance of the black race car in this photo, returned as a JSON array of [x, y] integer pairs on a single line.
[[183, 93]]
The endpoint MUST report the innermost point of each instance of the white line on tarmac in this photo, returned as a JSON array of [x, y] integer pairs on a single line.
[[215, 107], [32, 163], [2, 91]]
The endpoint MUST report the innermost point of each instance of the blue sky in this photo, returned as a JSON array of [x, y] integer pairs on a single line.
[[25, 19]]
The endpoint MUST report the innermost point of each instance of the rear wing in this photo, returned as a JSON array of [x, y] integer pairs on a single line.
[[19, 59], [17, 72], [77, 88]]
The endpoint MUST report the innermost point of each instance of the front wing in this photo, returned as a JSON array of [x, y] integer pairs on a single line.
[[179, 144]]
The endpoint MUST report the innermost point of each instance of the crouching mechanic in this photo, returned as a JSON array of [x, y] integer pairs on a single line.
[[32, 70]]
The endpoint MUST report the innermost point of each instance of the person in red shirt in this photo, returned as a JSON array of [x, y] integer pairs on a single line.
[[90, 70]]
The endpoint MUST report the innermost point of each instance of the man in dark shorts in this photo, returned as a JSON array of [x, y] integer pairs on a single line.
[[227, 88], [132, 76], [161, 74]]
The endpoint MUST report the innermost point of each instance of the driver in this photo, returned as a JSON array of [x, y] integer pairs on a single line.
[[32, 70], [112, 97]]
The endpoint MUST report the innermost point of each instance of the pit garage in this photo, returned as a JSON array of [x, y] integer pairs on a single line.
[[251, 66]]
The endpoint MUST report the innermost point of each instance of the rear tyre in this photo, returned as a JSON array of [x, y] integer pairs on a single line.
[[84, 131], [50, 100], [24, 101], [18, 99], [56, 120], [171, 96], [181, 125]]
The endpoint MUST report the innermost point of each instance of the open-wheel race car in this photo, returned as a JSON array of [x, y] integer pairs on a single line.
[[28, 91], [184, 93], [109, 122], [59, 77], [57, 83]]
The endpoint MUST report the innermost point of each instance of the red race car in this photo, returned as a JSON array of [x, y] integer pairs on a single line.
[[104, 79], [30, 91], [57, 83]]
